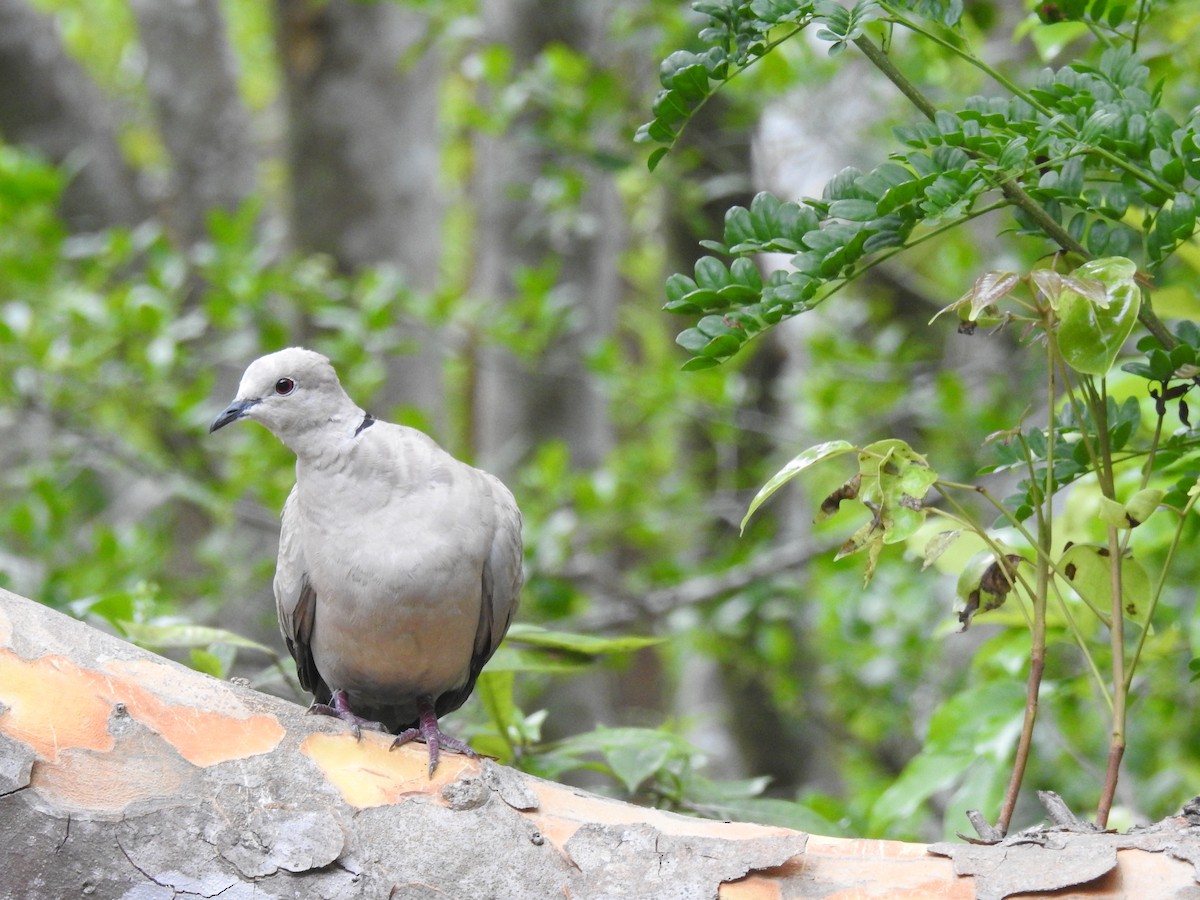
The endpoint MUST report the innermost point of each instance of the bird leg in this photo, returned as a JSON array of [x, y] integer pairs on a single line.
[[339, 708], [427, 730]]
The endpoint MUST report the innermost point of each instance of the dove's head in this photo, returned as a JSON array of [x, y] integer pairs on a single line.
[[294, 393]]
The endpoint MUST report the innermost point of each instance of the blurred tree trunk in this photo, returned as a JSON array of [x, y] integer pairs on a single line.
[[744, 730], [49, 104], [362, 91], [520, 403], [557, 398], [362, 85], [191, 76]]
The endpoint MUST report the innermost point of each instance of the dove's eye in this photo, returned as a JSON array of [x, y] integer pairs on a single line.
[[284, 386]]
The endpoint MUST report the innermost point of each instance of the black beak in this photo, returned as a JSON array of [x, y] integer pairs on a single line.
[[234, 411]]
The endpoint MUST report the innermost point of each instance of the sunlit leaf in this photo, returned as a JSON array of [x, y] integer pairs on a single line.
[[585, 644], [495, 689], [187, 635], [896, 479], [207, 662], [1088, 569], [1091, 333], [798, 464], [988, 290]]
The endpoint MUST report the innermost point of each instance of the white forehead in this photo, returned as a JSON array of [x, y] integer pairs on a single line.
[[294, 362]]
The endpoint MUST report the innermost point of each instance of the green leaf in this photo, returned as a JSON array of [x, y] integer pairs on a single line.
[[938, 545], [1090, 332], [207, 662], [547, 662], [187, 635], [1132, 514], [853, 210], [798, 464], [496, 691], [586, 644], [711, 273], [693, 340], [895, 478], [977, 725], [988, 290], [632, 754], [1088, 570], [637, 760]]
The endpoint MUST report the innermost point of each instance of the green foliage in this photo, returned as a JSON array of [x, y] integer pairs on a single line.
[[1104, 168], [1091, 163], [969, 742], [891, 483]]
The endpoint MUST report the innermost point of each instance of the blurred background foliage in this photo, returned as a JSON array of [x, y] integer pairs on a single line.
[[445, 198]]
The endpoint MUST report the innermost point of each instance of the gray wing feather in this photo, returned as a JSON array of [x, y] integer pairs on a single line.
[[296, 601], [501, 590], [503, 569]]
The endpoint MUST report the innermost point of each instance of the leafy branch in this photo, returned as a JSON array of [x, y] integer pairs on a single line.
[[1074, 130]]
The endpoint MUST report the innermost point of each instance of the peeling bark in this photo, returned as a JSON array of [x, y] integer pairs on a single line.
[[125, 775]]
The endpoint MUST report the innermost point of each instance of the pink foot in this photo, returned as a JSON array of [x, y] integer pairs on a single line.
[[427, 730], [340, 709]]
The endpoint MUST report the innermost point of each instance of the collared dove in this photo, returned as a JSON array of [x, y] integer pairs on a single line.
[[399, 567]]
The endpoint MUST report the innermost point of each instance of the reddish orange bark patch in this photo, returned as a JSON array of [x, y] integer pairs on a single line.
[[55, 704], [561, 811], [752, 887], [190, 721], [109, 783], [907, 870], [367, 773]]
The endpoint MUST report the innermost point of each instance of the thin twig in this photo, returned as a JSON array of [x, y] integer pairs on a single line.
[[658, 603]]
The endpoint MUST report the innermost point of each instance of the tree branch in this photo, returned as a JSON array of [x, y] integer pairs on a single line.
[[121, 771]]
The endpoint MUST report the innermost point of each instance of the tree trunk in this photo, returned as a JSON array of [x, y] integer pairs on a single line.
[[362, 83], [363, 140], [556, 397], [49, 104], [125, 775], [191, 76]]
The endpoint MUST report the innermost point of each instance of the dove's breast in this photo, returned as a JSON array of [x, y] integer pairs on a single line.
[[396, 557]]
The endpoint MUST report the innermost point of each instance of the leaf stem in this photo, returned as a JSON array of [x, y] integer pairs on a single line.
[[1037, 650], [1158, 589]]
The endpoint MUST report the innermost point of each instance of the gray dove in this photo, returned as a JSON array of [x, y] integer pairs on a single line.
[[399, 567]]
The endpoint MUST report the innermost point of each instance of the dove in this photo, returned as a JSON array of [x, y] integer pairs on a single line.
[[399, 566]]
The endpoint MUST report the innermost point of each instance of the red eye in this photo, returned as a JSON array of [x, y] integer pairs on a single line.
[[284, 386]]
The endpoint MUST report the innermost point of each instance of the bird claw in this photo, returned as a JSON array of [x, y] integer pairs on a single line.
[[427, 730], [340, 709]]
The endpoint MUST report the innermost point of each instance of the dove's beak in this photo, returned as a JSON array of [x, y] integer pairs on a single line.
[[234, 411]]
